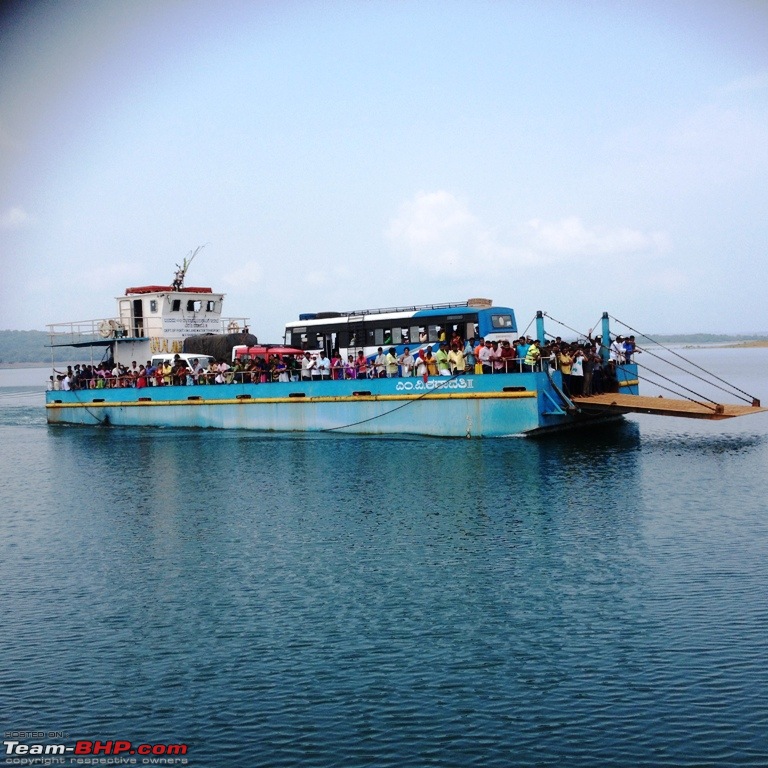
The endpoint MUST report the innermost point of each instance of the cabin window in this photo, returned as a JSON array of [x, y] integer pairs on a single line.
[[210, 306], [176, 305], [501, 321], [194, 305], [153, 305]]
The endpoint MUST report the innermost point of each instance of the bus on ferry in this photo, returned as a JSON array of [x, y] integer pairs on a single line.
[[415, 327]]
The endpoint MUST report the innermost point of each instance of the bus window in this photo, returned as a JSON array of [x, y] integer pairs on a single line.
[[501, 321], [433, 332], [378, 338], [422, 331], [397, 336]]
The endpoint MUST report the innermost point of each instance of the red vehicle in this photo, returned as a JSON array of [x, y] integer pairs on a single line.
[[243, 352]]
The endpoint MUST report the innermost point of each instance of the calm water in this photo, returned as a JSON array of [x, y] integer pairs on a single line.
[[594, 599]]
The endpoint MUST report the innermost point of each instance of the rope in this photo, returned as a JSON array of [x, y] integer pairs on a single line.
[[100, 422], [443, 382], [690, 362], [666, 378], [695, 375], [528, 326], [559, 322]]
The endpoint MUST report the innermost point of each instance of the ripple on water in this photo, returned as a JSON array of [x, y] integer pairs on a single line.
[[319, 600]]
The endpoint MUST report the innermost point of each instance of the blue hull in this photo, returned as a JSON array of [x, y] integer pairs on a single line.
[[462, 406]]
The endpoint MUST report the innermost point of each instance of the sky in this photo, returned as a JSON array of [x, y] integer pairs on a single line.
[[562, 155]]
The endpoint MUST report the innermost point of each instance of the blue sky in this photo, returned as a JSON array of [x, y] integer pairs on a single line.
[[573, 157]]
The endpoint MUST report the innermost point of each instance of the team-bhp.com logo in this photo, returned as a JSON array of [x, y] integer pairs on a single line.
[[112, 752]]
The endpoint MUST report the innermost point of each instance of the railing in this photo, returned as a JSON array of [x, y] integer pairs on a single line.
[[104, 330]]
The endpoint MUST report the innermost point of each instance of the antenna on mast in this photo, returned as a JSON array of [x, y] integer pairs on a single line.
[[181, 271]]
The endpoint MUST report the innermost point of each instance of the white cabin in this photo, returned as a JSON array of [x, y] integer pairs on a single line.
[[151, 319]]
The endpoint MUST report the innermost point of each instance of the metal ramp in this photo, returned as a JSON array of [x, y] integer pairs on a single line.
[[662, 406]]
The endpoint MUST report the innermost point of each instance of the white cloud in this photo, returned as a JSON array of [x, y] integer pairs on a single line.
[[14, 218], [570, 237], [247, 274], [440, 235]]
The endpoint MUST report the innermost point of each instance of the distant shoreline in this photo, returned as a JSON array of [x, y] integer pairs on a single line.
[[741, 344]]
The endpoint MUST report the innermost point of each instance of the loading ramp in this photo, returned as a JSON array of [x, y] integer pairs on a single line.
[[662, 406]]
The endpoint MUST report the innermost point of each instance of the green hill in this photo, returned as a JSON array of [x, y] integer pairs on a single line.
[[32, 347]]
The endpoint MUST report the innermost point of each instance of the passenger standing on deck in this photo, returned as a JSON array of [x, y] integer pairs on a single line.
[[337, 366], [469, 355], [430, 362], [421, 364], [391, 363], [361, 364], [379, 364], [307, 366], [565, 361], [407, 363], [508, 354], [323, 367], [589, 366], [617, 350], [457, 360], [521, 347], [533, 356], [598, 375], [498, 363], [577, 373], [484, 358], [349, 368], [441, 358], [629, 349]]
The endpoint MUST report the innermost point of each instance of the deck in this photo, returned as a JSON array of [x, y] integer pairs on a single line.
[[662, 406]]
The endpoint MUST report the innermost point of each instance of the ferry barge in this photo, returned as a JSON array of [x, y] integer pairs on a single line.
[[160, 320]]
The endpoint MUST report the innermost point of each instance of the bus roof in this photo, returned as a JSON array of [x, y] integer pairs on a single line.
[[395, 313]]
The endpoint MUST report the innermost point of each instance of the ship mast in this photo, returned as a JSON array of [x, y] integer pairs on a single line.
[[181, 271]]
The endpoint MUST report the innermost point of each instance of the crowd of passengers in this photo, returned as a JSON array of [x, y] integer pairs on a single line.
[[583, 369]]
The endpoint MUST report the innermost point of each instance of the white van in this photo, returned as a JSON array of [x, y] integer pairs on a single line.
[[204, 360]]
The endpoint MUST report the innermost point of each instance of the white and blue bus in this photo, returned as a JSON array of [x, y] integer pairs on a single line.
[[400, 327]]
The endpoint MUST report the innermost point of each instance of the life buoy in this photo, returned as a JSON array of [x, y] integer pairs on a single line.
[[105, 329]]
